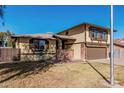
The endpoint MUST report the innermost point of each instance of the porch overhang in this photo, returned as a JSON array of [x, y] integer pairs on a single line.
[[35, 36], [64, 37]]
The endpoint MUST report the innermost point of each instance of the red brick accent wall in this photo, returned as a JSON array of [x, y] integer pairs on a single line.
[[82, 51], [65, 55]]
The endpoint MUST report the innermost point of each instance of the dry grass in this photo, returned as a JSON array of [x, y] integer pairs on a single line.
[[58, 75]]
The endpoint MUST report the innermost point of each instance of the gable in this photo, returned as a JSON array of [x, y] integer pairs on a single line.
[[73, 31]]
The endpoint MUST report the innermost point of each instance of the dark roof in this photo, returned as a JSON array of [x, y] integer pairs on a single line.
[[64, 37], [42, 36], [107, 28], [37, 36]]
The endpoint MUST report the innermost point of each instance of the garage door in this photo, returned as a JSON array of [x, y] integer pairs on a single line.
[[96, 53]]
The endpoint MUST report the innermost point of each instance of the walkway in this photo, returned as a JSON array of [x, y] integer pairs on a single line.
[[116, 61]]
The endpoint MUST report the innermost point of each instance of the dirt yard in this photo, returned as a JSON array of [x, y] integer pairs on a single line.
[[37, 74]]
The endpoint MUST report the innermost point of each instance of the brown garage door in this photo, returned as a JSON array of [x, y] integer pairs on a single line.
[[96, 53]]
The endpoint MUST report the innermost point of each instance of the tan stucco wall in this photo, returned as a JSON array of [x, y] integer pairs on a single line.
[[108, 51], [23, 44], [79, 37], [73, 31], [108, 38], [77, 33], [52, 46], [77, 51]]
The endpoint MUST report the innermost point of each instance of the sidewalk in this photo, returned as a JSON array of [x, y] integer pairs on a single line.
[[116, 61]]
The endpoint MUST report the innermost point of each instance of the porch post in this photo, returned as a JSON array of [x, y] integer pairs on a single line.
[[60, 43]]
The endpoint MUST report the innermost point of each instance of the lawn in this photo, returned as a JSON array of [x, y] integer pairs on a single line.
[[37, 74]]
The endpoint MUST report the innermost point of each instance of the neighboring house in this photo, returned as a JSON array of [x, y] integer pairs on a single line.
[[82, 42], [119, 48]]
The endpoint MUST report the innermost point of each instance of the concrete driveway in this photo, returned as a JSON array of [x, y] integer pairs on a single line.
[[116, 61]]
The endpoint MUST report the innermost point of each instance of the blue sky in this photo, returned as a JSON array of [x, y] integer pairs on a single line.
[[43, 19]]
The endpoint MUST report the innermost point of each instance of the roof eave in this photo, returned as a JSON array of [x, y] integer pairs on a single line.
[[87, 24]]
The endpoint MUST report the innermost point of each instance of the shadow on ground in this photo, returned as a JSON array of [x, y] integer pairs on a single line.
[[23, 68], [98, 72]]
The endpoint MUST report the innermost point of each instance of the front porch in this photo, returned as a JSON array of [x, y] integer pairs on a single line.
[[56, 47]]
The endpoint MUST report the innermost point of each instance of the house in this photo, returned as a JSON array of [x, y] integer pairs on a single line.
[[119, 48], [39, 46], [82, 42], [92, 41]]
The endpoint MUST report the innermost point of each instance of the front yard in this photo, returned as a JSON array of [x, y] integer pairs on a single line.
[[36, 74]]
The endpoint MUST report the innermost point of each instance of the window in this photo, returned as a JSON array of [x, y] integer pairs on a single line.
[[103, 35], [41, 45], [38, 45], [35, 44], [66, 33], [92, 34], [96, 34]]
